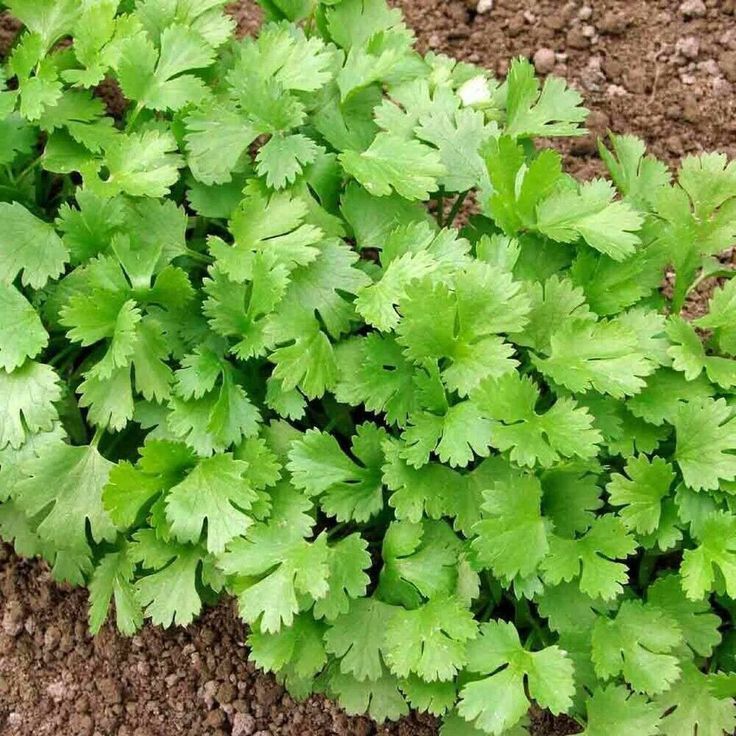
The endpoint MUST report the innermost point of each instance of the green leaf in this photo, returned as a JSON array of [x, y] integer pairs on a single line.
[[380, 699], [458, 137], [636, 176], [706, 436], [499, 701], [347, 491], [614, 711], [295, 653], [28, 246], [689, 356], [691, 708], [605, 356], [564, 430], [64, 486], [433, 697], [283, 159], [27, 395], [216, 139], [591, 213], [637, 643], [512, 537], [347, 562], [50, 19], [140, 164], [553, 304], [390, 164], [457, 436], [665, 392], [168, 592], [569, 610], [216, 495], [373, 371], [554, 111], [716, 549], [21, 335], [720, 317], [353, 22], [570, 500], [641, 493], [592, 556], [429, 641], [156, 79], [112, 580], [420, 561], [357, 638], [698, 623], [463, 324], [275, 564]]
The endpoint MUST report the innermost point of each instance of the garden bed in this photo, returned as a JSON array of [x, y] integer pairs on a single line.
[[663, 70]]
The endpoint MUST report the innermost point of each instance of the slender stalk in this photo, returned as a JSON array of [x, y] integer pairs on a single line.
[[99, 432], [64, 353], [455, 208], [441, 208], [195, 255], [133, 117], [28, 169], [646, 568]]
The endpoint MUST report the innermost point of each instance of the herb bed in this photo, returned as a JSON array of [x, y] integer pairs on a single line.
[[452, 347]]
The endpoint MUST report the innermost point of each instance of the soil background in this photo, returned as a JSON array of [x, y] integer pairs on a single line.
[[663, 70]]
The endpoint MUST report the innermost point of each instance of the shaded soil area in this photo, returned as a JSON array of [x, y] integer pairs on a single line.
[[662, 69]]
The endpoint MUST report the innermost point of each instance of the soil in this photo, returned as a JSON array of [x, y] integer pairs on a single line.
[[664, 70]]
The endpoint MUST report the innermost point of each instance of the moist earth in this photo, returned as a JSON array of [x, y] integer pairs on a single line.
[[663, 70]]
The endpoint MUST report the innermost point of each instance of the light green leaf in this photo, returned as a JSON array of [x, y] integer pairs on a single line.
[[21, 333], [28, 246]]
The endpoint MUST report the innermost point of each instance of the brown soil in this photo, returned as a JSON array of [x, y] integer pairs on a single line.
[[662, 69]]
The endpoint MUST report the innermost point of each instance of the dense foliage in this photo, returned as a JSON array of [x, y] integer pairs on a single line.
[[454, 470]]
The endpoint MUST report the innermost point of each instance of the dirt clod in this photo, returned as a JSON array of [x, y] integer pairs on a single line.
[[544, 60], [693, 9]]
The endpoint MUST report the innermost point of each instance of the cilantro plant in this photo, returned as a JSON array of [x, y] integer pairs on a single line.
[[245, 350]]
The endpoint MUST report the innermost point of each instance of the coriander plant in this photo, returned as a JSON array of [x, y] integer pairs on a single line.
[[455, 470]]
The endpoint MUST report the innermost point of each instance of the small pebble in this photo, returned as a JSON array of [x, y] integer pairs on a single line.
[[585, 12], [613, 24], [484, 6], [243, 724], [693, 9], [576, 39], [544, 60], [691, 109], [710, 67], [727, 64], [689, 47]]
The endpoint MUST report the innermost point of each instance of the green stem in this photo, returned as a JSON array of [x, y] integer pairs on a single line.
[[99, 432], [133, 117], [200, 228], [441, 208], [63, 354], [28, 169], [336, 530], [195, 255], [646, 568], [330, 425], [114, 442], [455, 208]]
